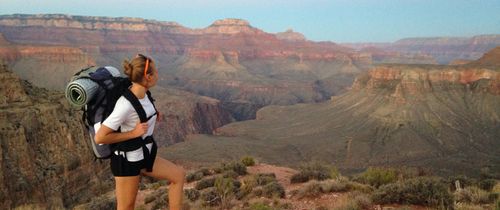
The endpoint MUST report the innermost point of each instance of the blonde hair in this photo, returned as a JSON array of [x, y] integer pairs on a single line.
[[134, 68]]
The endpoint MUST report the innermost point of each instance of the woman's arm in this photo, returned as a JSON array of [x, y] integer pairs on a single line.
[[106, 135]]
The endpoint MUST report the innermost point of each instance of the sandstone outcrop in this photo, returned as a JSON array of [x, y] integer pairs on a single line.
[[46, 159], [290, 35]]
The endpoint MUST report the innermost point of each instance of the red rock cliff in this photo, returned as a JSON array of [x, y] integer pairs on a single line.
[[46, 159]]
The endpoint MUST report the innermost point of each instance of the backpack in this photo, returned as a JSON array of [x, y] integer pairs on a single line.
[[105, 88]]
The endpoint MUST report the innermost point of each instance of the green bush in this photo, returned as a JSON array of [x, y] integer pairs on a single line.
[[230, 174], [205, 171], [192, 194], [258, 191], [263, 179], [224, 187], [315, 171], [335, 186], [210, 197], [248, 161], [497, 204], [420, 191], [160, 199], [487, 184], [473, 195], [411, 172], [205, 183], [237, 167], [378, 176], [273, 189], [362, 200], [354, 201], [316, 188], [195, 176], [310, 190], [463, 180], [247, 185]]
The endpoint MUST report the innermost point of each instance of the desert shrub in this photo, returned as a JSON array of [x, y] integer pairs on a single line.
[[219, 169], [210, 197], [411, 172], [311, 189], [378, 176], [230, 174], [463, 180], [300, 178], [273, 189], [237, 167], [359, 187], [160, 199], [335, 186], [258, 191], [205, 183], [155, 185], [224, 187], [467, 206], [315, 188], [205, 171], [248, 161], [195, 176], [473, 195], [347, 205], [102, 202], [263, 179], [363, 200], [156, 195], [315, 171], [497, 204], [487, 184], [420, 191], [496, 188], [246, 187], [192, 194]]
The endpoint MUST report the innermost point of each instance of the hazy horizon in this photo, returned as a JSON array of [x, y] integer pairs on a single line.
[[319, 20]]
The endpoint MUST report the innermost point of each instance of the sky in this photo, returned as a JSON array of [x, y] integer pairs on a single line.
[[319, 20]]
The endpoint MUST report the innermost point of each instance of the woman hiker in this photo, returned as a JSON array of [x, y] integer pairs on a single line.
[[135, 148]]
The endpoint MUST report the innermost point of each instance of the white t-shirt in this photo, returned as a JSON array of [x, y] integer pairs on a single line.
[[126, 118]]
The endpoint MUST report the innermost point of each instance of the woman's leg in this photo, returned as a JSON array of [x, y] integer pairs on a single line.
[[166, 170], [126, 191]]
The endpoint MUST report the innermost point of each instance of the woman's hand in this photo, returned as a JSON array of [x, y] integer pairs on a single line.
[[140, 129]]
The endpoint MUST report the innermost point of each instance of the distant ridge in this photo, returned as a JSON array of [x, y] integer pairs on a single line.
[[445, 118]]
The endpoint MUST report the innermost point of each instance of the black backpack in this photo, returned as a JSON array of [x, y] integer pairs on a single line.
[[102, 104]]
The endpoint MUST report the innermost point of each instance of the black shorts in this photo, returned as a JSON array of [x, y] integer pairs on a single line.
[[120, 166]]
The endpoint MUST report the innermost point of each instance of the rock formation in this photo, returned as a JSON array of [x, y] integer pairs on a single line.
[[445, 118], [228, 51], [443, 49], [290, 35], [46, 160]]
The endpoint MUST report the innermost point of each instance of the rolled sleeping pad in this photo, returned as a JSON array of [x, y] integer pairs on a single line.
[[81, 90]]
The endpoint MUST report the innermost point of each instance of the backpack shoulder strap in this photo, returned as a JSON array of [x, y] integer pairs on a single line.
[[136, 104], [148, 93]]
